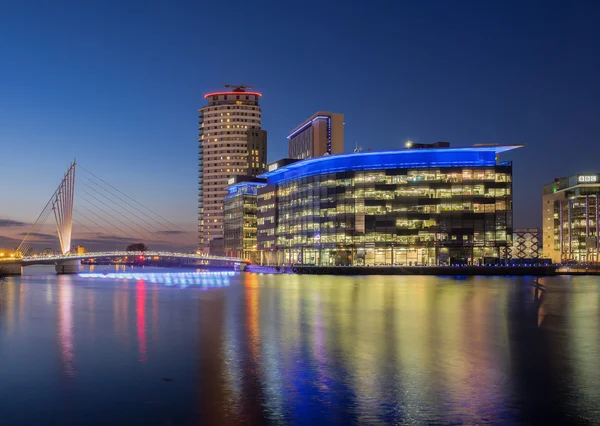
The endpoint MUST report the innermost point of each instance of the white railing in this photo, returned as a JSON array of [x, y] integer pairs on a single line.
[[145, 254]]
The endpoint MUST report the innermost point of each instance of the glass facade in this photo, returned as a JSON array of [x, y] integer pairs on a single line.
[[267, 224], [240, 221], [572, 219], [383, 211]]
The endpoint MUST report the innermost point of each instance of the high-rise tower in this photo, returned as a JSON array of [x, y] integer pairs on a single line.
[[320, 134], [231, 143]]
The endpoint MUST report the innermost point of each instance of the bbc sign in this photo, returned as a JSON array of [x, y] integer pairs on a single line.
[[587, 178]]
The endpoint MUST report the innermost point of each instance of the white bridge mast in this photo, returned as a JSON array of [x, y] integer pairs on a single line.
[[62, 206]]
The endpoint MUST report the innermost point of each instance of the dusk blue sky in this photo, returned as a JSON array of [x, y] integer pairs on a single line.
[[117, 84]]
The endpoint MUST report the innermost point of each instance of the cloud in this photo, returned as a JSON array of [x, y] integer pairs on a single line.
[[6, 242], [114, 238], [39, 236], [9, 223], [173, 232]]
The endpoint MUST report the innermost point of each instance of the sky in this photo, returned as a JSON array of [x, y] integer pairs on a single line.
[[118, 84]]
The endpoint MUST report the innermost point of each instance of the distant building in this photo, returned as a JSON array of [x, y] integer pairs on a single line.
[[216, 247], [240, 218], [48, 252], [320, 134], [571, 218], [81, 250], [231, 143]]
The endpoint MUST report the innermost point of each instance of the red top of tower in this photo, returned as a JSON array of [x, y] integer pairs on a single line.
[[236, 90]]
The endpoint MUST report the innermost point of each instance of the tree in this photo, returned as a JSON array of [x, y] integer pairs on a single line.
[[137, 247]]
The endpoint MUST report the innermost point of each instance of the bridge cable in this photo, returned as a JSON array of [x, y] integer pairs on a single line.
[[171, 238], [95, 214], [86, 227], [140, 204], [116, 218], [158, 231], [35, 228], [109, 233]]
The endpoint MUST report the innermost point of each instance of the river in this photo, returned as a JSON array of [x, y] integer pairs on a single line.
[[180, 347]]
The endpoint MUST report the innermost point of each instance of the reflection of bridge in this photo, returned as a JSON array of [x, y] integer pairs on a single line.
[[134, 222]]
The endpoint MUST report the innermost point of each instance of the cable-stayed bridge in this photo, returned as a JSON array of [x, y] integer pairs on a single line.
[[109, 217]]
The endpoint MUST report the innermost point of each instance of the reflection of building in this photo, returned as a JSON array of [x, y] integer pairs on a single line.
[[240, 219], [526, 244], [571, 218], [422, 206], [231, 143], [321, 134]]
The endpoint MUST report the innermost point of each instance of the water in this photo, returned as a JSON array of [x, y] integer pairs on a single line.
[[159, 347]]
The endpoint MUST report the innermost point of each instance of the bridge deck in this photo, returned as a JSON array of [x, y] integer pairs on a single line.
[[107, 255]]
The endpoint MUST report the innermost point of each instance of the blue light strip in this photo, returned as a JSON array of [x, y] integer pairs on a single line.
[[381, 160], [252, 186]]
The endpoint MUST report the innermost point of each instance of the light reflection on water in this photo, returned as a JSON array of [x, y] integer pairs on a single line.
[[180, 279], [181, 347]]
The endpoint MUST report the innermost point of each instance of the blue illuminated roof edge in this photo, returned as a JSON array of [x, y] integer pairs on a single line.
[[497, 149]]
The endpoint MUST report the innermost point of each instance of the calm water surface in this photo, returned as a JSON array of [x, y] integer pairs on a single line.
[[168, 347]]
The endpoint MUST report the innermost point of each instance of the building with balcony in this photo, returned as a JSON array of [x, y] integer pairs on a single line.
[[231, 143], [240, 217], [571, 218], [427, 206], [320, 134]]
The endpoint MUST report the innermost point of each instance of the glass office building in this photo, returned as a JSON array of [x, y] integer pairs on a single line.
[[239, 219], [410, 207], [571, 219]]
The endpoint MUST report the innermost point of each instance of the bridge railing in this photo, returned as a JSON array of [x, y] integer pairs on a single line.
[[93, 255]]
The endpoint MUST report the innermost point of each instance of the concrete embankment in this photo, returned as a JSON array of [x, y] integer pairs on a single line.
[[426, 270], [9, 269], [268, 269], [408, 270]]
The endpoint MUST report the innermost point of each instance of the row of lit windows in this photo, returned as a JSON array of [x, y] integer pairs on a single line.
[[499, 205], [491, 239], [267, 220], [411, 177], [233, 132], [264, 207], [221, 141], [230, 120], [371, 191], [229, 107], [235, 113]]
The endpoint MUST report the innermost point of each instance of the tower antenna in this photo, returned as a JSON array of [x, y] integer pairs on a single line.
[[237, 87]]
